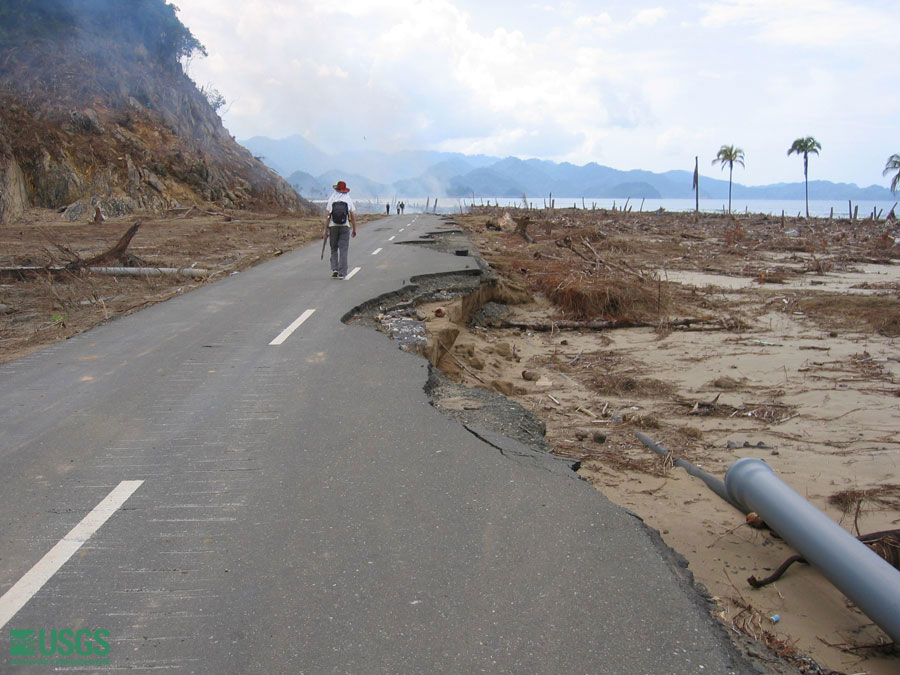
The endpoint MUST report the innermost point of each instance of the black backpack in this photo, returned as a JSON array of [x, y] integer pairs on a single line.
[[339, 213]]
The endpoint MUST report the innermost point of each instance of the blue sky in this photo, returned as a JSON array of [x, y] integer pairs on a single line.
[[630, 85]]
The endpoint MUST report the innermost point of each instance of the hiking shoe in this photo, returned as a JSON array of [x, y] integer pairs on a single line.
[[335, 274]]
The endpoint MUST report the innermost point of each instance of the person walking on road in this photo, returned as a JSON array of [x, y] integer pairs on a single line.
[[341, 217]]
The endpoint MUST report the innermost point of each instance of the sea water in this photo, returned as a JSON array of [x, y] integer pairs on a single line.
[[773, 207]]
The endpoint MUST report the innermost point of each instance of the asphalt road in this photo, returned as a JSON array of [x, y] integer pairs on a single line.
[[299, 507]]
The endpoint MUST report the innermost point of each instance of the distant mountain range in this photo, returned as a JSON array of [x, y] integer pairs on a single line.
[[409, 174]]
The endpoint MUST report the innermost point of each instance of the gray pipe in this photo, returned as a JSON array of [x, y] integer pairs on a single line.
[[860, 574], [713, 483]]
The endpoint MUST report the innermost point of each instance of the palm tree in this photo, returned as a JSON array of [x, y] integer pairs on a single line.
[[728, 154], [893, 164], [804, 146]]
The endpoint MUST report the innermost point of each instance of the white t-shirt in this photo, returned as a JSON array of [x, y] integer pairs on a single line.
[[340, 197]]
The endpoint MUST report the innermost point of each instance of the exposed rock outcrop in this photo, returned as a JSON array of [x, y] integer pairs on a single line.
[[93, 118], [13, 195]]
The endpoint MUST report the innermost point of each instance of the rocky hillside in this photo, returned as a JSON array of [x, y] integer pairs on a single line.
[[95, 110]]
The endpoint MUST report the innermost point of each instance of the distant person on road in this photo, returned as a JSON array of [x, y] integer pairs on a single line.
[[387, 209], [341, 217], [401, 206]]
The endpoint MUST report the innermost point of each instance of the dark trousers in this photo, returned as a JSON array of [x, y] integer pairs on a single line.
[[339, 238]]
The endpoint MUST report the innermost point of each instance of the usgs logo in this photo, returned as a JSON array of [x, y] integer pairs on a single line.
[[64, 642]]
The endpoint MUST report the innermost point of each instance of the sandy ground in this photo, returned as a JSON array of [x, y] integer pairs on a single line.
[[793, 359], [814, 393]]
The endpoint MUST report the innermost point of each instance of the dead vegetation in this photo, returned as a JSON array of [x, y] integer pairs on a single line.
[[766, 412], [609, 373], [770, 365], [843, 312], [858, 501], [754, 623], [588, 275], [625, 386]]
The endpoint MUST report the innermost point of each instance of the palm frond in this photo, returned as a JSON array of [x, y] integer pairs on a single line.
[[728, 154], [805, 146], [892, 164]]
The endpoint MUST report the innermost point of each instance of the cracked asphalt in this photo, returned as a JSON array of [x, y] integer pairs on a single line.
[[303, 507]]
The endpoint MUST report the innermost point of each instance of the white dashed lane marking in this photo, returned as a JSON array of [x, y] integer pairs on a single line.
[[352, 273], [376, 251], [34, 579], [286, 333]]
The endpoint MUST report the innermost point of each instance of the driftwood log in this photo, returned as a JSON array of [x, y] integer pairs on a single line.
[[885, 543], [117, 252], [97, 263], [607, 324]]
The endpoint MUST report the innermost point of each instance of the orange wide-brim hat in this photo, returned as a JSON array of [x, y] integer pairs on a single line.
[[341, 186]]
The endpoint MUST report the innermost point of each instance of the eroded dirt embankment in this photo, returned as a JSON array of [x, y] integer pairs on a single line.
[[462, 295]]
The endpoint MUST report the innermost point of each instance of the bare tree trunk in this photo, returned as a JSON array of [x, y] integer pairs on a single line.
[[730, 171], [806, 182], [522, 228], [115, 253]]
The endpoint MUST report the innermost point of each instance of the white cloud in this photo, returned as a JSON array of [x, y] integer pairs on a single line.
[[811, 23], [603, 21], [629, 84], [647, 17], [604, 24], [309, 67]]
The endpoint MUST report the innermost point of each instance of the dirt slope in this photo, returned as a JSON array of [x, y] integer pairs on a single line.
[[96, 111]]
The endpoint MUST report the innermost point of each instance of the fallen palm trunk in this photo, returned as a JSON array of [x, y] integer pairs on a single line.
[[606, 324], [149, 271], [34, 271], [855, 570]]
